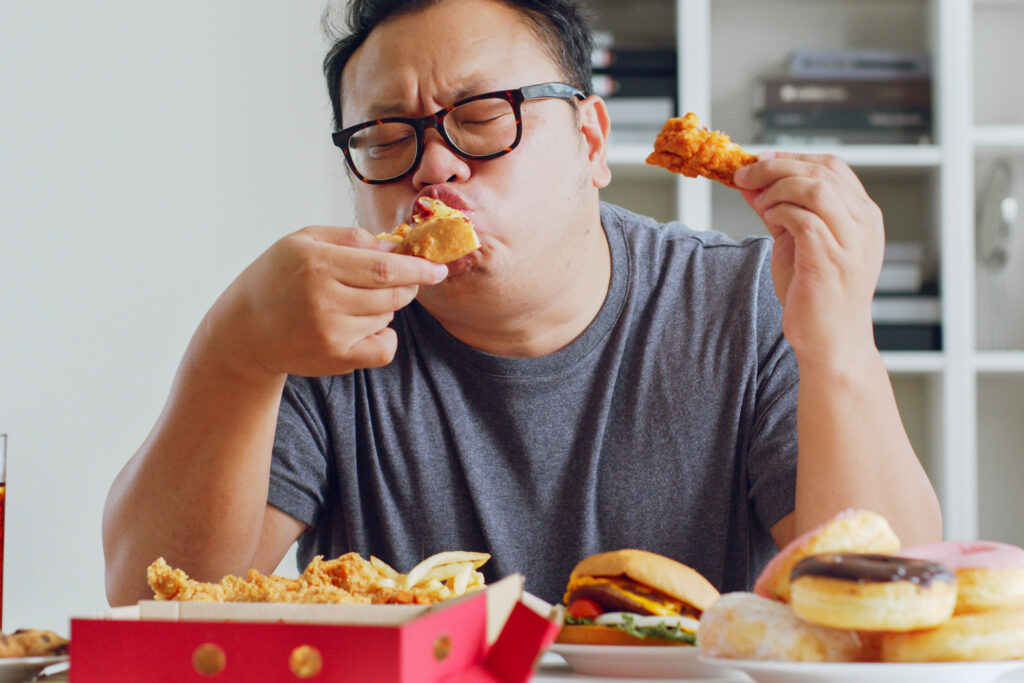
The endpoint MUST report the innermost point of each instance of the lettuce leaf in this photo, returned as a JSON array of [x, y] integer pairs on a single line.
[[657, 631]]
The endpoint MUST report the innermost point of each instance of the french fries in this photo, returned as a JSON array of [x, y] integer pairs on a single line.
[[439, 577]]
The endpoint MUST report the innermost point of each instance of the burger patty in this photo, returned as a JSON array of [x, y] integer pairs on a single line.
[[610, 598], [617, 596]]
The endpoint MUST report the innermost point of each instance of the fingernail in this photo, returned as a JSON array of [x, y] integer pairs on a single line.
[[440, 272], [766, 155], [740, 173]]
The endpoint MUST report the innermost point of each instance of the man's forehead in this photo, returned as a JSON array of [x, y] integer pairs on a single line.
[[474, 53]]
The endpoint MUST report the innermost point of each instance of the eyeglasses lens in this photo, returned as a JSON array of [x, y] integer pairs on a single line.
[[478, 128]]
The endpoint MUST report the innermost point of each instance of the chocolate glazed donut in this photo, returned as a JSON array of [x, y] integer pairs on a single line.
[[870, 567], [872, 592]]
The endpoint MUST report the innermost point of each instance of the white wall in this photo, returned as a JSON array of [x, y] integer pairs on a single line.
[[149, 152]]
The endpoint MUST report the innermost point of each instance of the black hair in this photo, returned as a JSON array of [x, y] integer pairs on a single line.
[[563, 27]]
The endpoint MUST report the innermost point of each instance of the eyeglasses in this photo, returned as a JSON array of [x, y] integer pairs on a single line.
[[480, 127]]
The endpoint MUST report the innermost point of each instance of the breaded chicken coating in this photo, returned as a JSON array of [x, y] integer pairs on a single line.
[[685, 146]]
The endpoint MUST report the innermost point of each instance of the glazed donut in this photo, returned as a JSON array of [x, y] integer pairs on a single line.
[[872, 592], [851, 531], [747, 626], [989, 575], [994, 635]]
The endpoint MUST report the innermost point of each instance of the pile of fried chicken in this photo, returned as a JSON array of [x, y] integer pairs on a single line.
[[347, 579]]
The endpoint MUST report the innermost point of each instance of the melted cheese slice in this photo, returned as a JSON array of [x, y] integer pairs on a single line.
[[667, 607]]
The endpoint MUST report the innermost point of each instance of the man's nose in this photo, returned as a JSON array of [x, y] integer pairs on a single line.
[[439, 163]]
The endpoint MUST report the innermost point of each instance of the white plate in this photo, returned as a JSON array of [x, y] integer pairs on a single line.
[[937, 672], [642, 661], [19, 669]]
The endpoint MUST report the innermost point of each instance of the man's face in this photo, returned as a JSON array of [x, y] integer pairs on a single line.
[[529, 205]]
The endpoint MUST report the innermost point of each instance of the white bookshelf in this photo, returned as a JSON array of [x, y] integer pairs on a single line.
[[964, 405]]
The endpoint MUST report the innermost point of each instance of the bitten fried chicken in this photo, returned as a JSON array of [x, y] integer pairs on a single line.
[[685, 146], [437, 232]]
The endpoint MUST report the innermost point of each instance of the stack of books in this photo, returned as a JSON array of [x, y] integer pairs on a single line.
[[847, 97], [906, 310], [639, 85]]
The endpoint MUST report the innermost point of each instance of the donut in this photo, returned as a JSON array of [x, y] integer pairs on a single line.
[[851, 531], [989, 575], [993, 635], [748, 626], [872, 592]]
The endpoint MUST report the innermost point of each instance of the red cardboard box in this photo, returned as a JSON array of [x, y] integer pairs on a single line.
[[490, 635]]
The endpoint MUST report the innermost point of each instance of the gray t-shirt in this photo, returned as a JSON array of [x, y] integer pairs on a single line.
[[669, 424]]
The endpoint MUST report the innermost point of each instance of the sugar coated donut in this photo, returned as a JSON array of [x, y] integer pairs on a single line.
[[994, 635], [851, 531], [989, 575], [747, 626], [872, 592]]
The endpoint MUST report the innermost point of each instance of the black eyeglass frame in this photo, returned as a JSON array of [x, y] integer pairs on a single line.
[[436, 121]]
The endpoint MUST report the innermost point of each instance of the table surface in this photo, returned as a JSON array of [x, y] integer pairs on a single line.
[[553, 668]]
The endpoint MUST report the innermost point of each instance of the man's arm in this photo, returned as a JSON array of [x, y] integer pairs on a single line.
[[316, 303], [853, 449]]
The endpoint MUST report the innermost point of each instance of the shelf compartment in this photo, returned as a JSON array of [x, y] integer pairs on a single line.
[[649, 191], [919, 398], [997, 58], [740, 54], [999, 318], [1000, 466]]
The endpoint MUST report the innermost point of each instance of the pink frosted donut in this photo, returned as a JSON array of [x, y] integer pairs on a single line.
[[850, 531], [989, 575]]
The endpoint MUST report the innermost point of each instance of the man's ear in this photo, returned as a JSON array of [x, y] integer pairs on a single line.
[[595, 124]]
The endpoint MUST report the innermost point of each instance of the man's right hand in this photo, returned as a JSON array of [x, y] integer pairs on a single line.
[[316, 303]]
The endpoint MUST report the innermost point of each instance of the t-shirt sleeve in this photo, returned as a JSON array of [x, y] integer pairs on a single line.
[[299, 476], [772, 454]]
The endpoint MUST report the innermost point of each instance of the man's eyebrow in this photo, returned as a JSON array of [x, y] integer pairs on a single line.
[[396, 109]]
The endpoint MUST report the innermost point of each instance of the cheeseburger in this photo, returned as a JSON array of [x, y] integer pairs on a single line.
[[634, 597]]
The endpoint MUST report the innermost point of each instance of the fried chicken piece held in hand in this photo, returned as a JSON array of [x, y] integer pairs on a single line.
[[437, 233], [685, 146]]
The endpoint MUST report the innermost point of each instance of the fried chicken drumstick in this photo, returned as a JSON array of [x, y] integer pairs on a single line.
[[685, 146]]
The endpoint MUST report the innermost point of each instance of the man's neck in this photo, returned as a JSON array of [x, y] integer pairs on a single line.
[[524, 320]]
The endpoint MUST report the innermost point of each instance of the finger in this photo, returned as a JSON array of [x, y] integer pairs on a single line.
[[373, 269], [816, 197], [750, 196], [343, 237], [771, 166], [347, 330], [360, 301], [374, 350], [809, 232]]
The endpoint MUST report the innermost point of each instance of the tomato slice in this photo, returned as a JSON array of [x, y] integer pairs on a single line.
[[584, 608]]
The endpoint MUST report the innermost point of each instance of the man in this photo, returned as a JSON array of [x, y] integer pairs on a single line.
[[587, 380]]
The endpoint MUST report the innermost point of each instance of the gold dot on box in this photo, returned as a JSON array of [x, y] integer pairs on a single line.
[[305, 661], [209, 659], [442, 647]]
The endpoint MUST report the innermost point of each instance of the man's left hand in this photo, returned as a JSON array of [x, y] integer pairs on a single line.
[[829, 243]]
